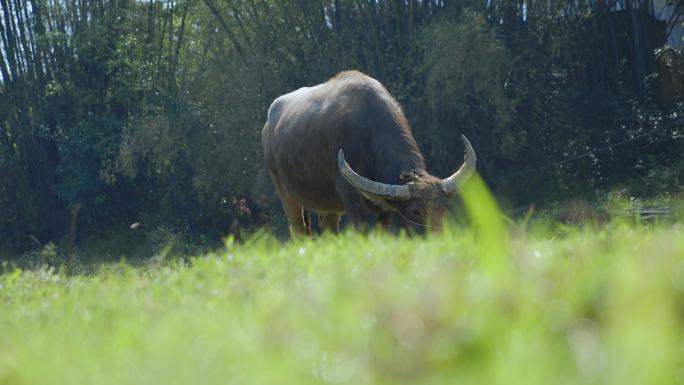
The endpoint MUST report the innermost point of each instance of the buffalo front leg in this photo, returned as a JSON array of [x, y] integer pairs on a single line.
[[329, 222], [352, 202], [383, 220]]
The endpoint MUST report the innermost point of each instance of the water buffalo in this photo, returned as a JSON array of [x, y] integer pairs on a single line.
[[344, 146]]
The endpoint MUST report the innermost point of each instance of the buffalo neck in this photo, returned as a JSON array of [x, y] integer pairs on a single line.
[[397, 154]]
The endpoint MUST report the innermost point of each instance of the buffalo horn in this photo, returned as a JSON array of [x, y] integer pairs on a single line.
[[455, 181], [369, 188]]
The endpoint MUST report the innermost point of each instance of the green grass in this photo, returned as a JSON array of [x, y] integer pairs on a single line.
[[600, 305], [532, 304]]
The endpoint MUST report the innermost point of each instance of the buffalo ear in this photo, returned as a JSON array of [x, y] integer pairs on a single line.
[[383, 203], [408, 176]]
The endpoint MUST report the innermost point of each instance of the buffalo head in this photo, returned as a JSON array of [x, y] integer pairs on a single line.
[[422, 201]]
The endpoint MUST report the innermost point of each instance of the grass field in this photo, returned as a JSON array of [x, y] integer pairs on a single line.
[[487, 304]]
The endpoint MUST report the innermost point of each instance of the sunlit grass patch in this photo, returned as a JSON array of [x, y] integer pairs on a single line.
[[599, 305]]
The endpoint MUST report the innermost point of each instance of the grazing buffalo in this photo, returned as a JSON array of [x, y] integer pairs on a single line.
[[344, 146]]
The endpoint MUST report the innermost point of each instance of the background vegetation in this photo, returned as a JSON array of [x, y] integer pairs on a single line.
[[148, 114]]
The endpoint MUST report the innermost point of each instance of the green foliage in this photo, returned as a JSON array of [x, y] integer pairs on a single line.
[[465, 69]]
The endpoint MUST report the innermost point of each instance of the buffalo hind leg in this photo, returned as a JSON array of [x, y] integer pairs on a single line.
[[307, 221], [329, 222], [294, 211]]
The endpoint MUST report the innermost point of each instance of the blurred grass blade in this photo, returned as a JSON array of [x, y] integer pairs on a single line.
[[486, 218]]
